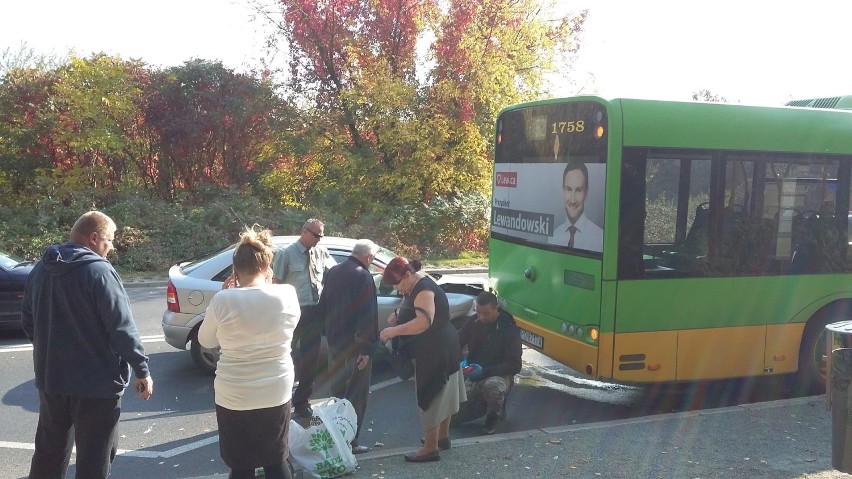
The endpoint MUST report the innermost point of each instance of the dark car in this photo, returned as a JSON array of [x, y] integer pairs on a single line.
[[13, 276]]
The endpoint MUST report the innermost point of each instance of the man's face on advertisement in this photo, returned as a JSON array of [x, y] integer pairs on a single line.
[[574, 188]]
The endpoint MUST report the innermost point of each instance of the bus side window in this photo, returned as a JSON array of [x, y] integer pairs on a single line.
[[818, 245], [696, 240], [690, 255]]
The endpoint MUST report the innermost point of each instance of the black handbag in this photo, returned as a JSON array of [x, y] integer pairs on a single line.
[[399, 359]]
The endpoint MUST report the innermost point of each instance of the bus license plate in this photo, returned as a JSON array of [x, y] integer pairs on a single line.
[[532, 338]]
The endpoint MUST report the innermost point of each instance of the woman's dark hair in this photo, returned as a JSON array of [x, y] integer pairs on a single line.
[[397, 267]]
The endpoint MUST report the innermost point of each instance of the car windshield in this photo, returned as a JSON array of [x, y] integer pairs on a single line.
[[8, 261]]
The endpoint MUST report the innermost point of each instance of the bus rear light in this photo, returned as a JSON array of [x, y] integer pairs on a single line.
[[653, 367], [599, 132], [172, 302], [779, 357]]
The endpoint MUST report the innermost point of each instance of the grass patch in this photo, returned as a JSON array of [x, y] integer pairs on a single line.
[[462, 260]]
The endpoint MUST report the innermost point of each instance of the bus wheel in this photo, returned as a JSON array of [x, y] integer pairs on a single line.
[[810, 378]]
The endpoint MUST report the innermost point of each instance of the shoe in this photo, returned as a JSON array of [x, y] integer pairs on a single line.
[[304, 411], [443, 444], [360, 449], [490, 424], [431, 457]]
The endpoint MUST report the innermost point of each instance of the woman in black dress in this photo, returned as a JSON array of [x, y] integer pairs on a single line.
[[423, 322]]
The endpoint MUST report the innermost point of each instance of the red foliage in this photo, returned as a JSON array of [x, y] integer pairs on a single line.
[[332, 40], [453, 60]]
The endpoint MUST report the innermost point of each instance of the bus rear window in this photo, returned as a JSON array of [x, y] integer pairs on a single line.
[[553, 134]]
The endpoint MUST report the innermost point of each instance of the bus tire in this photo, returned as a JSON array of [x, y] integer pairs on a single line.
[[810, 377]]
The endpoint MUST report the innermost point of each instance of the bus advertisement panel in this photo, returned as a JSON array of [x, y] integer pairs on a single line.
[[566, 211]]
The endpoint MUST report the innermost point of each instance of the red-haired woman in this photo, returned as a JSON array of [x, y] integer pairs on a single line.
[[424, 319]]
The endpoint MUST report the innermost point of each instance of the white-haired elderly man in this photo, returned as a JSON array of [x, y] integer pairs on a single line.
[[351, 328]]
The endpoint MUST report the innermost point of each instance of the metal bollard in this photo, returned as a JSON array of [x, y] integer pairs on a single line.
[[837, 335], [841, 409]]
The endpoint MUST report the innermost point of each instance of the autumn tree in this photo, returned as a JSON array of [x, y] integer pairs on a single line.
[[390, 126], [22, 57], [212, 126], [26, 130], [99, 111]]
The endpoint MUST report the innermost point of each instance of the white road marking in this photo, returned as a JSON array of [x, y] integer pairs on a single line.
[[18, 348], [17, 445], [384, 384], [131, 452]]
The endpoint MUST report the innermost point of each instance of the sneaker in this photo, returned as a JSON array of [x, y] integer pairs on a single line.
[[490, 424]]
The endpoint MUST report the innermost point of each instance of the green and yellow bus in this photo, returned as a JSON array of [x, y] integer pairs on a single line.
[[653, 241]]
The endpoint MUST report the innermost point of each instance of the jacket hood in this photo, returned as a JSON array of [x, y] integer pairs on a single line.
[[60, 259]]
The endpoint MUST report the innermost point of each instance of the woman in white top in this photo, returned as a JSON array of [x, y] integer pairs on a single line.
[[252, 320]]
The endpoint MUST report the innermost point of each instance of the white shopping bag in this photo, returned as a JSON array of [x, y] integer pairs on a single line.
[[323, 449], [342, 413]]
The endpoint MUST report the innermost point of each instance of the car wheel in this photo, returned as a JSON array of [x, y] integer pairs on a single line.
[[205, 358]]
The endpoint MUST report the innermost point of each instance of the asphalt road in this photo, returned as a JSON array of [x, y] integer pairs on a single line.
[[174, 434]]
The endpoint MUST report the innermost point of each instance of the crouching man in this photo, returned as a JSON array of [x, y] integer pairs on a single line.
[[494, 357]]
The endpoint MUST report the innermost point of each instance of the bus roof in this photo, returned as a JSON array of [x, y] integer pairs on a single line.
[[736, 127]]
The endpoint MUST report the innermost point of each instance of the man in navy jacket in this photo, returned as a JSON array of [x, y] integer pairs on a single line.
[[85, 342], [351, 328]]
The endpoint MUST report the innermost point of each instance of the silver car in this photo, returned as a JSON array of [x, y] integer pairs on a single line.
[[192, 284]]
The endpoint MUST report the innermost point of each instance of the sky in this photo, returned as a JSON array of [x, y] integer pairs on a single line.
[[747, 51]]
